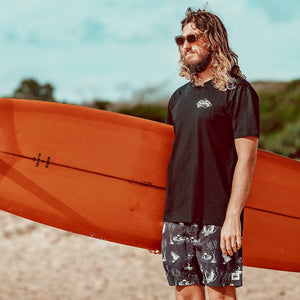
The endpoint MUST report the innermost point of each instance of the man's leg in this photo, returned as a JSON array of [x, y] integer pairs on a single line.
[[221, 293], [190, 292], [222, 274]]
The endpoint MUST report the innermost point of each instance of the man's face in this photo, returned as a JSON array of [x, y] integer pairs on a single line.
[[196, 54]]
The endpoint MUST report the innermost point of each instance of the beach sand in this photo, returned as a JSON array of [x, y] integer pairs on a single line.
[[39, 262]]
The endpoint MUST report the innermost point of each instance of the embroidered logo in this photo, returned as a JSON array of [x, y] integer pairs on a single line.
[[235, 275], [204, 103]]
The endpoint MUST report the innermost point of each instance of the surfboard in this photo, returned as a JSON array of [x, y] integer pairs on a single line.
[[103, 175]]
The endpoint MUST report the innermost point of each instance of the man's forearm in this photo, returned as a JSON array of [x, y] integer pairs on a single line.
[[241, 185], [231, 239]]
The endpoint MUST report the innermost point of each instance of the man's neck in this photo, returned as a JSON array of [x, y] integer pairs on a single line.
[[206, 75]]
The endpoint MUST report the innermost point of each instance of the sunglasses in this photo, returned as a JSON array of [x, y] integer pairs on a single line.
[[191, 38]]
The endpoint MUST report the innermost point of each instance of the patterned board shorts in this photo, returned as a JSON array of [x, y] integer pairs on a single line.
[[192, 255]]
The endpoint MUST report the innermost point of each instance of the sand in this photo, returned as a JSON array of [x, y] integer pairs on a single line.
[[44, 263]]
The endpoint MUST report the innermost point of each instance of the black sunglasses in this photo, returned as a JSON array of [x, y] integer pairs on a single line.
[[191, 38]]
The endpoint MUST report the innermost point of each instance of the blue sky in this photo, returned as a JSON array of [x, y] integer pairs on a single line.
[[110, 48]]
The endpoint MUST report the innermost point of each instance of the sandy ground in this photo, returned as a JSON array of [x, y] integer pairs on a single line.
[[40, 262]]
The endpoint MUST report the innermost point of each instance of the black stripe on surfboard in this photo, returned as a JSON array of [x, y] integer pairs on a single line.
[[146, 184], [272, 212], [48, 162]]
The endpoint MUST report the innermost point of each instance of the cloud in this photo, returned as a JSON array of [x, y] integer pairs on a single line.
[[89, 48], [276, 10], [92, 31], [57, 22], [10, 36]]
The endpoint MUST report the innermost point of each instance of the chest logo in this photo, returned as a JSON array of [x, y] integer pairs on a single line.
[[204, 103]]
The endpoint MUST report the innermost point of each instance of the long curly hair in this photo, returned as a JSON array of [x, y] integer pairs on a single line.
[[224, 62]]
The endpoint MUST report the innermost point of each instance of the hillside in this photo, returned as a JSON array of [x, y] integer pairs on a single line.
[[279, 115], [279, 109]]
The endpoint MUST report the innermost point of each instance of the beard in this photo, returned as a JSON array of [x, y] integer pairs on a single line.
[[200, 65]]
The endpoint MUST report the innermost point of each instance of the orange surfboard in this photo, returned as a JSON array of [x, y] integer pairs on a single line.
[[103, 175]]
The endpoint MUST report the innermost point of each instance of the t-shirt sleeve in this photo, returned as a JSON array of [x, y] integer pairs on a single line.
[[244, 111]]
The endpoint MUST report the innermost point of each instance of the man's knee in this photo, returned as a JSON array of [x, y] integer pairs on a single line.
[[222, 293], [190, 292]]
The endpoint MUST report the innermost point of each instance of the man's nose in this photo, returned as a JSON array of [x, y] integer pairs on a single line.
[[186, 45]]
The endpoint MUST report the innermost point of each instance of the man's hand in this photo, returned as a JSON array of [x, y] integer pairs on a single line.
[[155, 251], [231, 239]]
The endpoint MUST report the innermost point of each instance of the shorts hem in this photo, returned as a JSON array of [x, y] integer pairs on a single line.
[[186, 284], [208, 285], [233, 285]]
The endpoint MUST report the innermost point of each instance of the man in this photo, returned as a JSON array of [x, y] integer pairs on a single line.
[[216, 124]]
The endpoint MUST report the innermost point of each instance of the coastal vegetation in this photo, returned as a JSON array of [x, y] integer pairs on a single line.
[[279, 109]]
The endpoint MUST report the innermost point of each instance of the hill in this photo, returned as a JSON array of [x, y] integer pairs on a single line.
[[279, 109]]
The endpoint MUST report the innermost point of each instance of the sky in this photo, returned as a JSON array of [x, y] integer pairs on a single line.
[[109, 49]]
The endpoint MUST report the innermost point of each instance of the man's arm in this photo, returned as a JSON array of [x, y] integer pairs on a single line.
[[246, 148]]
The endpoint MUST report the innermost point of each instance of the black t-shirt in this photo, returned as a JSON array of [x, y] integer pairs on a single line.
[[206, 122]]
